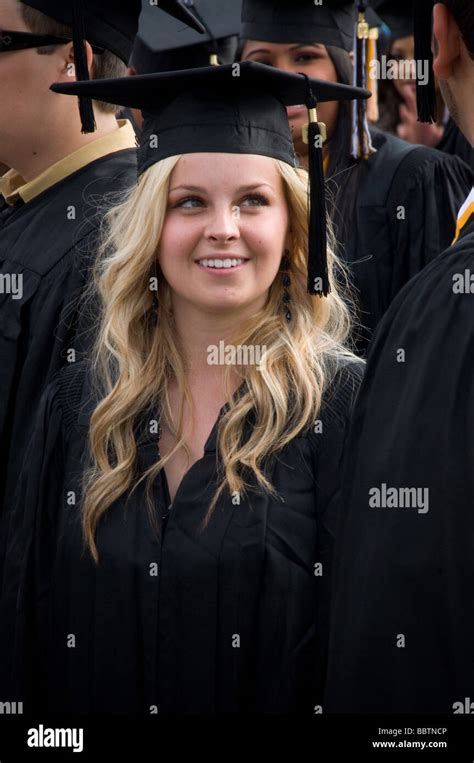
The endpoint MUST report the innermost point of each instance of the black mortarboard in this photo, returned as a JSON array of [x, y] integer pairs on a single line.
[[163, 44], [238, 108], [332, 22], [283, 21], [107, 24], [397, 15]]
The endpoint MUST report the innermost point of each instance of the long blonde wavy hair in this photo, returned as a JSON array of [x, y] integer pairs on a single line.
[[137, 353]]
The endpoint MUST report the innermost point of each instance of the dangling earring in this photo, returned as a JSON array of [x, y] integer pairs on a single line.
[[155, 291], [285, 266]]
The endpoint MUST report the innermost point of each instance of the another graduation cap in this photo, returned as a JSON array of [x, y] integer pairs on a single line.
[[107, 24], [239, 109], [397, 15], [163, 44], [339, 23], [330, 22]]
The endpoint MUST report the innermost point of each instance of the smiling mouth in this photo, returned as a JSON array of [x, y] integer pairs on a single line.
[[293, 111], [221, 263]]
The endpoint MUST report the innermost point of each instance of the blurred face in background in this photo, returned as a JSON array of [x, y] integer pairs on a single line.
[[310, 59], [403, 50]]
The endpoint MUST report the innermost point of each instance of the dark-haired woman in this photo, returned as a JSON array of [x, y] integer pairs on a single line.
[[395, 211]]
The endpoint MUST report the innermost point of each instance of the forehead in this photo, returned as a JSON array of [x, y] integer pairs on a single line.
[[278, 47], [229, 168]]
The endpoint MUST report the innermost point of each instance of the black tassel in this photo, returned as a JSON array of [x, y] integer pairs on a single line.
[[86, 110], [318, 277], [425, 94]]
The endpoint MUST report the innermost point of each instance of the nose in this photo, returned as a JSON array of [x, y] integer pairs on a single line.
[[286, 65], [223, 224]]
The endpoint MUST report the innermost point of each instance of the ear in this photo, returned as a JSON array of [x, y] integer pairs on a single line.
[[71, 59], [131, 72], [447, 42]]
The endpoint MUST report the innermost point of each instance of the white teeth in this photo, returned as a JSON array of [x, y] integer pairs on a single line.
[[227, 263]]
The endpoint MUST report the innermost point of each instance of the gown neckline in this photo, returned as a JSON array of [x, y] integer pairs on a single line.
[[209, 447]]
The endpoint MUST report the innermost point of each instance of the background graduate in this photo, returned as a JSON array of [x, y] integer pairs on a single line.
[[395, 210], [398, 109], [52, 197], [192, 568], [164, 45], [403, 626]]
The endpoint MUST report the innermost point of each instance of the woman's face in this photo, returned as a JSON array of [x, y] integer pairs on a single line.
[[312, 60], [225, 231], [402, 50]]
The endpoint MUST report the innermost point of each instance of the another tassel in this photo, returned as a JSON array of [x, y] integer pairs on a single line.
[[314, 134], [372, 83], [86, 110], [361, 140], [425, 94]]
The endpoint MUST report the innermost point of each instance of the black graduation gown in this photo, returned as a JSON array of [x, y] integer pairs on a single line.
[[50, 241], [453, 142], [407, 203], [402, 637], [235, 620]]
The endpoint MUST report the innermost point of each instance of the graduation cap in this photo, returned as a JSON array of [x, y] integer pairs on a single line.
[[163, 44], [108, 24], [239, 108], [281, 21], [397, 15], [339, 23]]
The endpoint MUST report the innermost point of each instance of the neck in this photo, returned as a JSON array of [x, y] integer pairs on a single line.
[[303, 157], [198, 333], [54, 143]]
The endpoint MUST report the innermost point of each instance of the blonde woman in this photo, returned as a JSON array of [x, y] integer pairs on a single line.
[[180, 497]]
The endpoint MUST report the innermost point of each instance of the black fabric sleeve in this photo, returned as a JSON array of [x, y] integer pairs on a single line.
[[30, 550]]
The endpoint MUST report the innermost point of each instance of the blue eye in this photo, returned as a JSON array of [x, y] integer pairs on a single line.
[[256, 200], [190, 203]]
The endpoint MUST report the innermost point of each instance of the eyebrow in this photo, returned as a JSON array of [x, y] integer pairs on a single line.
[[200, 189], [292, 47]]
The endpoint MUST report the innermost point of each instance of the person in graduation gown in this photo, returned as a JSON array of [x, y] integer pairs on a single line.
[[403, 627], [398, 110], [162, 45], [394, 210], [189, 573], [54, 196]]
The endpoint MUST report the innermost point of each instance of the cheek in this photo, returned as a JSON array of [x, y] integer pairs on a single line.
[[178, 235], [327, 113], [179, 238], [22, 82], [265, 235], [399, 85], [322, 69]]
